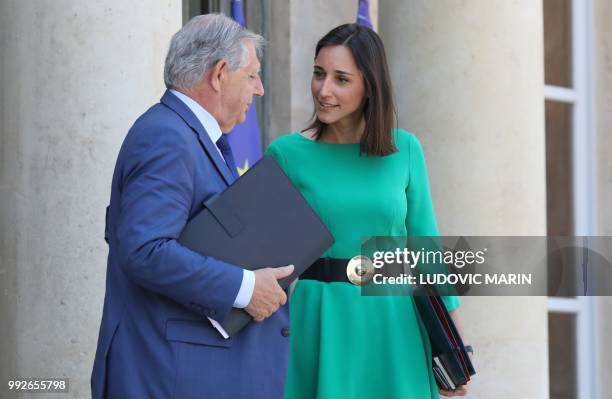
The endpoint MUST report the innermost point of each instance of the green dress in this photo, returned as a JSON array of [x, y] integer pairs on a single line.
[[344, 345]]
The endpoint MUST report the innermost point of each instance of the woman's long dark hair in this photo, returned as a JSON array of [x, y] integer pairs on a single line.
[[379, 107]]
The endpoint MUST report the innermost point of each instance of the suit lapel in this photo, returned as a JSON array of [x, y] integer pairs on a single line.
[[172, 102]]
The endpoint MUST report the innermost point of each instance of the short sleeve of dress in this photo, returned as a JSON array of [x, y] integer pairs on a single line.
[[274, 150], [420, 215]]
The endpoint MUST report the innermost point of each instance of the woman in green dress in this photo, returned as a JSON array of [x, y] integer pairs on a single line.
[[363, 178]]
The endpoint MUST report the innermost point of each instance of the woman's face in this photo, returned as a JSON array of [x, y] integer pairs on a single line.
[[337, 85]]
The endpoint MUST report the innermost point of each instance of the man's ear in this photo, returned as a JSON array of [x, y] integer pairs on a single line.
[[218, 74]]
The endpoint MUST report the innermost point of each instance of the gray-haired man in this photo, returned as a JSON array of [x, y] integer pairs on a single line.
[[158, 337]]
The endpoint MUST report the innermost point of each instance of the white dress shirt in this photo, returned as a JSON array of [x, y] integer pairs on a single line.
[[211, 127]]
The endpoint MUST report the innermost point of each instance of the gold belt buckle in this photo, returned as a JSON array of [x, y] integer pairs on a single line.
[[360, 270]]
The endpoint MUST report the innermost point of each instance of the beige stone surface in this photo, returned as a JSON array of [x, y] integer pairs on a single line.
[[510, 338], [74, 77], [468, 78]]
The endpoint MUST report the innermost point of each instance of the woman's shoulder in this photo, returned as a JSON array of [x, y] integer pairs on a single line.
[[404, 139], [283, 146], [286, 140]]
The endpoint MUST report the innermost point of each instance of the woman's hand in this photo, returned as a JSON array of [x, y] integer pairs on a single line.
[[459, 391]]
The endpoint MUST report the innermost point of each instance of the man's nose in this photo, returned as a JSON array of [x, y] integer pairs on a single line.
[[259, 90]]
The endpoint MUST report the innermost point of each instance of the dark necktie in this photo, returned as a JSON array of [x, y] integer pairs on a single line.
[[226, 151]]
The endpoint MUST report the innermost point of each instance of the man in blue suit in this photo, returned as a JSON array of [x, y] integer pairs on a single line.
[[159, 336]]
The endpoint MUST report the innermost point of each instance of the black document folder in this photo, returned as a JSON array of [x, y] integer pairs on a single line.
[[451, 364], [261, 220]]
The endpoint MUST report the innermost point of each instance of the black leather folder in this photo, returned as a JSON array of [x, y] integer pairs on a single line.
[[261, 220], [451, 364]]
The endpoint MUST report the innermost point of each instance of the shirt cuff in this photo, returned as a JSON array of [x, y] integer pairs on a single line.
[[246, 289]]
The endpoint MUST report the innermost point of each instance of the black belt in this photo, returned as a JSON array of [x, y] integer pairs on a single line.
[[328, 270]]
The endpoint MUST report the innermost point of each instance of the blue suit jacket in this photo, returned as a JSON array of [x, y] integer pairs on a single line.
[[155, 340]]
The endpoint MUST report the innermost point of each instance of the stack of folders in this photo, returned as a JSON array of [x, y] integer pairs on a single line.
[[451, 364], [261, 220]]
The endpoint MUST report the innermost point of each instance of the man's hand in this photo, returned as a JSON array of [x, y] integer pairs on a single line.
[[268, 296]]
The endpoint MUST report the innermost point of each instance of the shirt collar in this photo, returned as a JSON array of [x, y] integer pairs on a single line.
[[210, 124]]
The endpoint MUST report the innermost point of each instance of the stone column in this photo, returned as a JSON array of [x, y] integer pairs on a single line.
[[74, 76], [468, 80]]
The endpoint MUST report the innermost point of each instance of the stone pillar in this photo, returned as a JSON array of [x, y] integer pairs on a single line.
[[74, 77], [468, 79]]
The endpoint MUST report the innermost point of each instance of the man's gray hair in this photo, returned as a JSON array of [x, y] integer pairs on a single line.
[[201, 43]]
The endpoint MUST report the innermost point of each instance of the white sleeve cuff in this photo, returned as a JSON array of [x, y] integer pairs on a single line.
[[246, 289]]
